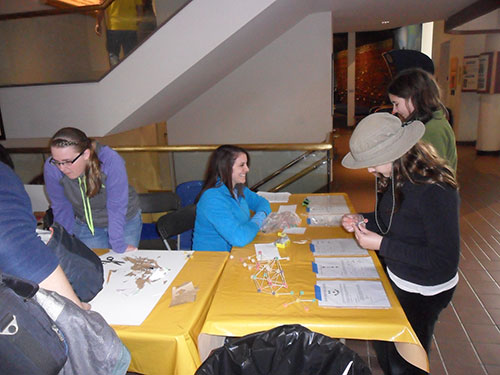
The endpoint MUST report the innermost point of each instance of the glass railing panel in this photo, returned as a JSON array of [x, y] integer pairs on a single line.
[[190, 166], [65, 48]]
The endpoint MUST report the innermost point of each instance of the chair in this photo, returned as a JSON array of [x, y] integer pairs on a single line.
[[188, 191], [161, 201], [175, 223], [155, 203]]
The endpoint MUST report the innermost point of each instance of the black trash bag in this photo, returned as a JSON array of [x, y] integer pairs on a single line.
[[285, 350]]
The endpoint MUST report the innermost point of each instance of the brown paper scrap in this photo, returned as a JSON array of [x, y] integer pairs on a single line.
[[184, 293]]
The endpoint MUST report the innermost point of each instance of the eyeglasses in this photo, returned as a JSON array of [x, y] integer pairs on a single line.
[[63, 163]]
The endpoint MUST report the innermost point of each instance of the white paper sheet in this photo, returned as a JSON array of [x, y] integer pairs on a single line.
[[336, 247], [275, 197], [132, 288], [287, 208], [326, 200], [345, 268], [44, 235], [327, 205], [266, 251], [351, 294]]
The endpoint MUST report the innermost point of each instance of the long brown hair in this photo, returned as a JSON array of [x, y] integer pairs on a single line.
[[72, 137], [420, 165], [423, 91], [220, 168]]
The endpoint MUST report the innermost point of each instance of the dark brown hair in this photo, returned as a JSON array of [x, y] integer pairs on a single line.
[[423, 91], [420, 165], [72, 137], [220, 168]]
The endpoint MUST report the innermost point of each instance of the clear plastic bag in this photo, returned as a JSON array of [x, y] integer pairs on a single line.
[[278, 221]]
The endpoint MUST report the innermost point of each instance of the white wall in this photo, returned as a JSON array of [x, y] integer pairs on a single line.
[[280, 95]]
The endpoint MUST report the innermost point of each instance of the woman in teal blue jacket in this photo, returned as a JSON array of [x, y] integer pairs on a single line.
[[223, 210]]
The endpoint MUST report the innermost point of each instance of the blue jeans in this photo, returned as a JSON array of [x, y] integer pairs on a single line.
[[100, 239]]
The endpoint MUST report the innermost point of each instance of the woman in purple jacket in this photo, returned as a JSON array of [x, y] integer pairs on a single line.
[[90, 196]]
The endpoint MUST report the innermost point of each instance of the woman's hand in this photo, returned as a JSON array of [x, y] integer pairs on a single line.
[[86, 306], [349, 221], [130, 248], [366, 238]]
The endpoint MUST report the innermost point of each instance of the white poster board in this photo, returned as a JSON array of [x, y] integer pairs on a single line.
[[134, 282]]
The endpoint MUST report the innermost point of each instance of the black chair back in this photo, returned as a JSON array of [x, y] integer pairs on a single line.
[[161, 201], [176, 222]]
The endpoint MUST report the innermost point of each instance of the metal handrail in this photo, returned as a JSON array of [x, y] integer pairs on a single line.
[[301, 174], [281, 170], [308, 147], [191, 148]]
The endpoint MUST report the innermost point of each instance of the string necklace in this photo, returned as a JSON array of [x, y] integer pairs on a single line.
[[393, 203]]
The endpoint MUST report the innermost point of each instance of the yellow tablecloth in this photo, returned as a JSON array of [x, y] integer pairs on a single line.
[[238, 309], [166, 342]]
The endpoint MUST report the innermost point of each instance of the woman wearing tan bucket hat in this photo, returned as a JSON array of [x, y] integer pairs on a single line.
[[415, 224]]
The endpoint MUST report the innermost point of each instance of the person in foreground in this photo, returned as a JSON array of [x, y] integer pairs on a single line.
[[22, 253], [415, 226], [89, 193], [415, 95], [223, 210]]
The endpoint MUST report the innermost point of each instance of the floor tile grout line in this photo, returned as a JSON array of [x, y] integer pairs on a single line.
[[482, 217], [480, 235], [471, 252], [469, 339], [479, 300], [440, 355], [494, 239], [480, 248], [476, 211], [482, 266]]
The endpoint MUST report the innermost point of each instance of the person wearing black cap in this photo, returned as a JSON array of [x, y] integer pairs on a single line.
[[415, 225]]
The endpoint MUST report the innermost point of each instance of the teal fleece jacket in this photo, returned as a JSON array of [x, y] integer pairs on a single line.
[[223, 221]]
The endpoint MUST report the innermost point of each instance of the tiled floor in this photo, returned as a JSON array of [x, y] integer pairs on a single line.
[[467, 336]]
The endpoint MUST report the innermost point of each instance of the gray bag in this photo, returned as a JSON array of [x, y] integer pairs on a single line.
[[94, 347]]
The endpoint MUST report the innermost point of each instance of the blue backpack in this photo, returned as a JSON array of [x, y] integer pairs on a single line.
[[30, 342]]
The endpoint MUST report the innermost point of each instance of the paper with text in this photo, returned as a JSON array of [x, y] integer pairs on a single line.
[[345, 268], [337, 247], [352, 294]]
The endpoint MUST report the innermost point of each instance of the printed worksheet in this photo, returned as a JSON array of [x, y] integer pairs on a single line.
[[345, 268], [365, 294], [337, 247], [327, 205]]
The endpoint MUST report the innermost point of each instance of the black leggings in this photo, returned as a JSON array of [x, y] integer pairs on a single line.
[[422, 313]]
